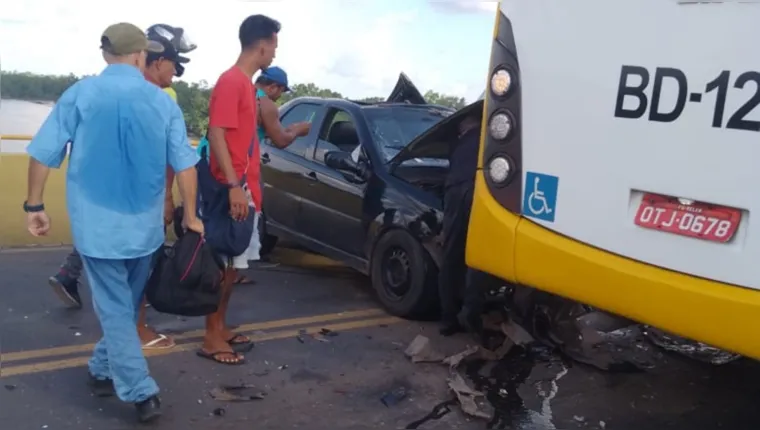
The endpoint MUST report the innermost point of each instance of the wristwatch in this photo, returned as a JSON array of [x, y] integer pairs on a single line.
[[35, 208]]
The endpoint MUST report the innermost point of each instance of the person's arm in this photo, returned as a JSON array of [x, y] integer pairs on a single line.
[[48, 147], [270, 120], [223, 114], [182, 159], [169, 183]]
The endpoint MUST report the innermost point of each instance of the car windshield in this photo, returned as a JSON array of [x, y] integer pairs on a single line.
[[394, 127]]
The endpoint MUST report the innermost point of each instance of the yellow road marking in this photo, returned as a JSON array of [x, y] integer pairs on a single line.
[[73, 349], [28, 369]]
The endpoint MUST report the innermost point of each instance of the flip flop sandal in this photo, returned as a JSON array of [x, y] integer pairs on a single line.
[[240, 343], [214, 356], [154, 344]]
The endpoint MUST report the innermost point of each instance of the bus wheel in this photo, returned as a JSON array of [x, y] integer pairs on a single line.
[[268, 242], [404, 275]]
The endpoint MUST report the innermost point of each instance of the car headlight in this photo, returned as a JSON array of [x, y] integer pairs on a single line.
[[501, 82], [499, 169], [500, 125]]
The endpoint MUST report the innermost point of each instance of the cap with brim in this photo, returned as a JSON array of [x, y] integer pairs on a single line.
[[276, 75], [168, 51], [125, 38]]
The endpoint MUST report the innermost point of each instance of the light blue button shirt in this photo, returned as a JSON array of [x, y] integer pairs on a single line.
[[123, 132]]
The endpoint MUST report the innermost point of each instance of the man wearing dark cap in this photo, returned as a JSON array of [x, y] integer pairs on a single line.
[[116, 183]]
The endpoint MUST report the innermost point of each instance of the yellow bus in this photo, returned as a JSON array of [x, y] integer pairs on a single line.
[[618, 161]]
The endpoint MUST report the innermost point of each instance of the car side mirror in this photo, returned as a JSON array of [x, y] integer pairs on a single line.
[[343, 162]]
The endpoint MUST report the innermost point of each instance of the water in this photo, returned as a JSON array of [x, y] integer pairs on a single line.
[[20, 117]]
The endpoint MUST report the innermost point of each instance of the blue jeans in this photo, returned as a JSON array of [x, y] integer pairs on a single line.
[[117, 289]]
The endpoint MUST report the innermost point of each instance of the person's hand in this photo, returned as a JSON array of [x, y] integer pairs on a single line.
[[38, 223], [168, 210], [238, 204], [302, 128], [193, 224]]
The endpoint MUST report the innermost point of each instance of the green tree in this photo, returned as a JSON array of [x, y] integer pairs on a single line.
[[193, 97], [436, 98], [308, 90]]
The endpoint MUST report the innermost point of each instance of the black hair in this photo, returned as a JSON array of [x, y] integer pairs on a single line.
[[265, 82], [256, 28]]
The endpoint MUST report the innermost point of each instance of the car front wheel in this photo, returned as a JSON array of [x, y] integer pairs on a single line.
[[404, 276]]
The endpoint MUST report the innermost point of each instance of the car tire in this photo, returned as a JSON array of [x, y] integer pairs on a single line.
[[404, 276], [268, 242]]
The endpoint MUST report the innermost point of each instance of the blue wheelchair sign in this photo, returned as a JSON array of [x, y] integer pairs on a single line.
[[540, 196]]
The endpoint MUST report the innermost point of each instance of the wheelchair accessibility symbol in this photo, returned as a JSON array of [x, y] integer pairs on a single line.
[[540, 196]]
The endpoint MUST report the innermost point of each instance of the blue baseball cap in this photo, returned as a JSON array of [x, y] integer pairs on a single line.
[[276, 74]]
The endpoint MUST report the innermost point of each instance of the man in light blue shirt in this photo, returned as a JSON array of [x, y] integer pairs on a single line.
[[123, 132]]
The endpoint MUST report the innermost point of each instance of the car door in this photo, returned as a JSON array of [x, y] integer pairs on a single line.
[[333, 202], [283, 170]]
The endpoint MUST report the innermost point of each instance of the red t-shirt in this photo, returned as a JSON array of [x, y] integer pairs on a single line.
[[232, 106]]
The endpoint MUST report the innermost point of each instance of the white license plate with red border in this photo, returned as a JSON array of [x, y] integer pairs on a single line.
[[699, 220]]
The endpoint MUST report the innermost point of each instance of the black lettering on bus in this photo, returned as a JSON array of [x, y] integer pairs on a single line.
[[628, 87], [637, 91], [659, 76]]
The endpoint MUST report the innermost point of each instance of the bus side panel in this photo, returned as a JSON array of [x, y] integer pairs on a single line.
[[718, 314]]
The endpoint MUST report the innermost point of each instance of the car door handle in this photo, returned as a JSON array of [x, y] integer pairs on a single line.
[[265, 158], [311, 175]]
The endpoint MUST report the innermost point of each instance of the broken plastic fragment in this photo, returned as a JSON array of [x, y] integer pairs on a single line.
[[236, 393], [467, 398], [454, 360], [420, 351]]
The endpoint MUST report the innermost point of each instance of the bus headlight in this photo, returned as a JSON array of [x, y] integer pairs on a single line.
[[499, 169], [501, 82], [500, 125]]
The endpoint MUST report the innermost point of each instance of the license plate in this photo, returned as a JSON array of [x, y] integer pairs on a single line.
[[700, 220]]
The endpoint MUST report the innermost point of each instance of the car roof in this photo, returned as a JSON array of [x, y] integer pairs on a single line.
[[364, 105]]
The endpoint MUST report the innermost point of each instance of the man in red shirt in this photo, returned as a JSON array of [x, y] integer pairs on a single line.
[[232, 128]]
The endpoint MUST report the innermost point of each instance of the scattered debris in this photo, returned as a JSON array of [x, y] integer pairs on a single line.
[[219, 412], [439, 411], [283, 367], [692, 349], [579, 419], [319, 337], [10, 387], [468, 398], [602, 425], [516, 333], [420, 351], [236, 393], [454, 360], [300, 338], [264, 372], [77, 334], [328, 332], [394, 397]]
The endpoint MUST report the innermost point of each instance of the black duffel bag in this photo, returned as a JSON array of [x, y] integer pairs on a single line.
[[186, 278]]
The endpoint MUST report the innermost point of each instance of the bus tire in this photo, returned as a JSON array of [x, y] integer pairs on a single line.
[[404, 276]]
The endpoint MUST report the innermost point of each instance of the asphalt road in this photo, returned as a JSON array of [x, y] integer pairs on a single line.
[[334, 381]]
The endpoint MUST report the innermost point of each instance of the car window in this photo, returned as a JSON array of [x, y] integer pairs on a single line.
[[394, 127], [338, 133], [299, 113]]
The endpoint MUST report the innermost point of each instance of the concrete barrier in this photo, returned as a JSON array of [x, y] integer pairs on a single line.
[[13, 180]]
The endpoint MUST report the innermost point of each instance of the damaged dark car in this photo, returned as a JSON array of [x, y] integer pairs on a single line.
[[365, 188]]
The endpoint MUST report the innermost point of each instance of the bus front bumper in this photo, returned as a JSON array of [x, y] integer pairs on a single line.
[[721, 315]]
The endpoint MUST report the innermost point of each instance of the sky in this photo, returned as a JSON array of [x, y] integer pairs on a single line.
[[355, 47]]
